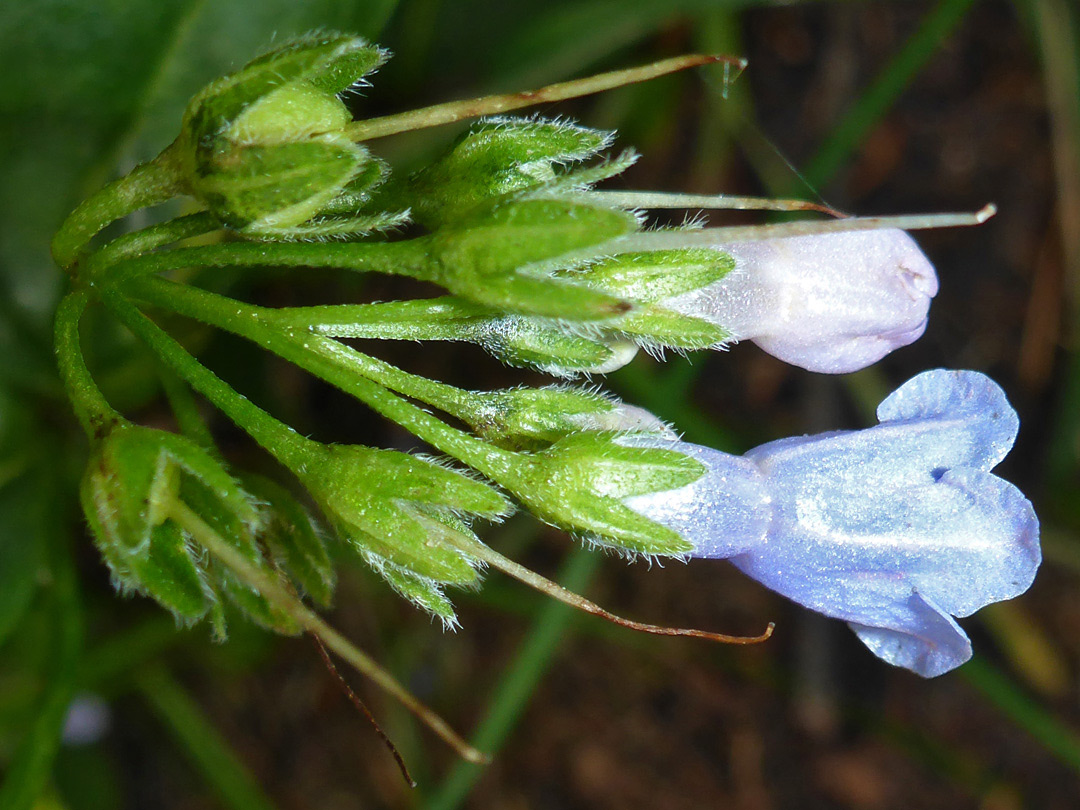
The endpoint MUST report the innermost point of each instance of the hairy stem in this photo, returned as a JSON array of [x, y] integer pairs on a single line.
[[137, 243], [406, 258], [661, 199], [279, 439], [94, 412], [147, 184], [353, 372], [667, 240], [556, 591]]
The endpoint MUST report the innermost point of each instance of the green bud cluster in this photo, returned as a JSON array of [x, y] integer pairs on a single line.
[[542, 272], [266, 148]]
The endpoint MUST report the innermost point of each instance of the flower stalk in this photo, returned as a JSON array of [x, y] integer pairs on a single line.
[[454, 111]]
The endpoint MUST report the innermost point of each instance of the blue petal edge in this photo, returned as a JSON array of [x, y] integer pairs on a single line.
[[931, 644], [957, 396]]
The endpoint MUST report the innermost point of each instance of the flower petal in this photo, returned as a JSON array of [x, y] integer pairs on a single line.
[[986, 547], [831, 303], [856, 549], [968, 420], [920, 637]]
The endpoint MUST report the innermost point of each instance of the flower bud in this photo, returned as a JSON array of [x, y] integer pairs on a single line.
[[496, 157], [831, 303], [265, 149], [401, 513], [133, 481]]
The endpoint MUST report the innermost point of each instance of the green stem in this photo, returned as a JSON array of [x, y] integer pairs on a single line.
[[670, 240], [527, 576], [186, 410], [134, 244], [407, 258], [147, 184], [276, 437], [250, 321], [466, 109], [443, 318], [351, 371], [277, 594], [666, 200], [94, 412]]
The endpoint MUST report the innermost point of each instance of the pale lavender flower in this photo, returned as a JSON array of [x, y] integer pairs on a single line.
[[896, 529], [833, 302]]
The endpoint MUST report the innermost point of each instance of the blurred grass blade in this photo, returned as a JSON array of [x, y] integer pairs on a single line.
[[1056, 32], [201, 742], [1028, 647], [30, 769], [1057, 738], [849, 134], [518, 682]]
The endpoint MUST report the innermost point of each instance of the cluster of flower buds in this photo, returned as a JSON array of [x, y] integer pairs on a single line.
[[895, 529]]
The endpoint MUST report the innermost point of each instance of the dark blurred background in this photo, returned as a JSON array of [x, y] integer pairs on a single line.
[[873, 107]]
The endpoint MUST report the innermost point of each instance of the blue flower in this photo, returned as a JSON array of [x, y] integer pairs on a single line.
[[896, 529]]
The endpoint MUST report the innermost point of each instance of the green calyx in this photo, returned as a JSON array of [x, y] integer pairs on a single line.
[[405, 515], [532, 419], [496, 157], [132, 486], [293, 539], [542, 344], [266, 149], [580, 483], [650, 278], [504, 256]]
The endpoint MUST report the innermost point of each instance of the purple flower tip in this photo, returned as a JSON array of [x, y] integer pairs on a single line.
[[832, 303]]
